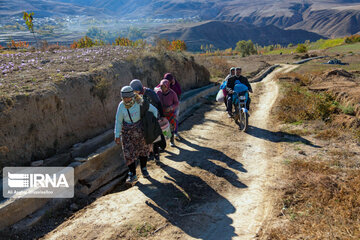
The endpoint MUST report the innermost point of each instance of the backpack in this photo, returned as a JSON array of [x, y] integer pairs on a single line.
[[150, 124]]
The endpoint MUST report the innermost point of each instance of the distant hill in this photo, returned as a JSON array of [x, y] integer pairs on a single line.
[[45, 8], [224, 34], [338, 22], [328, 18]]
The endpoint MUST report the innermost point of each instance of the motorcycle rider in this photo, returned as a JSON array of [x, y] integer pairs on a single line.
[[230, 89]]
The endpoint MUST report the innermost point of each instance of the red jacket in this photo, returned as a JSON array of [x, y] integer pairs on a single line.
[[168, 100]]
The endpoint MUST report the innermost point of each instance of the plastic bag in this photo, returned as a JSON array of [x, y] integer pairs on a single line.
[[167, 132], [165, 126], [220, 96]]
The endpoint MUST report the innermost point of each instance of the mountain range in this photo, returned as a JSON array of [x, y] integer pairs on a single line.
[[225, 34], [325, 18]]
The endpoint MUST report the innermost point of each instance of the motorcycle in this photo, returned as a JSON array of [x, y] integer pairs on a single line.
[[241, 115]]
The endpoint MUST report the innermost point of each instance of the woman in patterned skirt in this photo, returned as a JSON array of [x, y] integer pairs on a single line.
[[129, 132]]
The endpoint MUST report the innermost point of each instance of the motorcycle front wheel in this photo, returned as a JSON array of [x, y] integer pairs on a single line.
[[243, 121]]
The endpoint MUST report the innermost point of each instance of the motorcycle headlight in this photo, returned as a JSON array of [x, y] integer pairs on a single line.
[[242, 97]]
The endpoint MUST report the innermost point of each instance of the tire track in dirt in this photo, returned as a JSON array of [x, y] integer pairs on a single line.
[[255, 205], [213, 185]]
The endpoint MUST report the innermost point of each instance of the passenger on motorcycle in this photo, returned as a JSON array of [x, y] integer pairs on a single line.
[[230, 89], [232, 73], [223, 85]]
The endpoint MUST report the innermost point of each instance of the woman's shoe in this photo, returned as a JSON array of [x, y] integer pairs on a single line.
[[131, 178], [157, 159], [177, 137], [144, 172]]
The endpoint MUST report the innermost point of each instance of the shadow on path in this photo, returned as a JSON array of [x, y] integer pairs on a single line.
[[181, 205], [277, 137], [201, 157]]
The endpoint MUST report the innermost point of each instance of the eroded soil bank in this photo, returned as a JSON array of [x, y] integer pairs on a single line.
[[50, 101]]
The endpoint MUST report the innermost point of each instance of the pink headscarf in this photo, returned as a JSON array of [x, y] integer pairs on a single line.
[[165, 82]]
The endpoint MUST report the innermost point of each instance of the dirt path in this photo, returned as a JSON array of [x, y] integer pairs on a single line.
[[213, 185]]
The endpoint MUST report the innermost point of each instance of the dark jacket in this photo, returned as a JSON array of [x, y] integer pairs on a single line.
[[231, 82], [151, 96], [150, 124]]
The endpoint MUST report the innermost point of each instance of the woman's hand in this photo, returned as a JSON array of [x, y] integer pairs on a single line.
[[118, 140]]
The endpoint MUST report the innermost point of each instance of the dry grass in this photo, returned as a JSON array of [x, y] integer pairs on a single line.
[[45, 46], [293, 77], [322, 197], [317, 66], [298, 104], [344, 158], [328, 134], [300, 132], [219, 67], [101, 87], [322, 202], [296, 128]]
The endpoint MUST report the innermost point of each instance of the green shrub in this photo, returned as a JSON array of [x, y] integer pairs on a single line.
[[246, 48], [301, 48], [328, 43], [348, 110]]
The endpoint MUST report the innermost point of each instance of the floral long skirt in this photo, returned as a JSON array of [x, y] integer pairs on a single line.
[[133, 142]]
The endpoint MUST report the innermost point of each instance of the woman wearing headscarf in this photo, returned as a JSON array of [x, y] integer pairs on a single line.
[[150, 96], [174, 85], [129, 132], [170, 102]]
